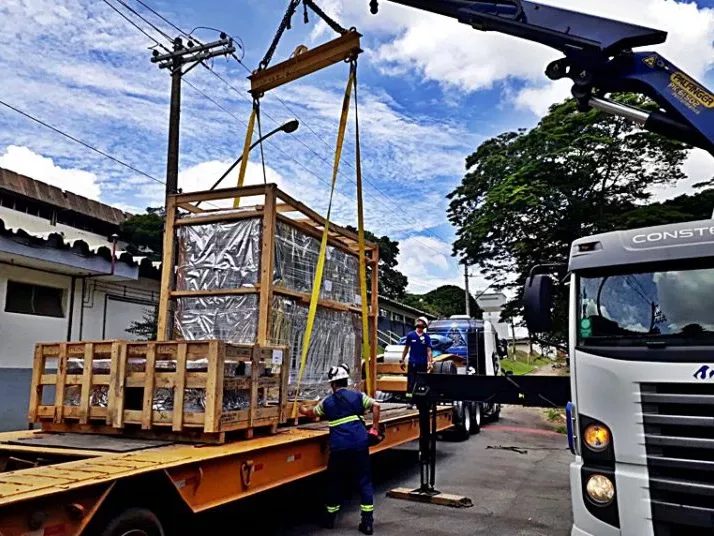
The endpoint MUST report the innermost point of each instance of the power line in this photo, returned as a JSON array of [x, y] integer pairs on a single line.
[[76, 140], [235, 90], [229, 85], [156, 28], [135, 25]]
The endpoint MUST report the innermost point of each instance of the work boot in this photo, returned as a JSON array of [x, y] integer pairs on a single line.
[[365, 526], [328, 521]]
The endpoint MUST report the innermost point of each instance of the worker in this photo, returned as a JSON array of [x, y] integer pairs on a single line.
[[349, 445], [418, 346]]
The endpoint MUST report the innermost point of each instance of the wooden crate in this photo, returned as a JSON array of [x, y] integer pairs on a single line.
[[137, 369], [271, 205]]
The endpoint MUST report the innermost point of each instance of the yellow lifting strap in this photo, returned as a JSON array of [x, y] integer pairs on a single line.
[[366, 350], [317, 281], [246, 151]]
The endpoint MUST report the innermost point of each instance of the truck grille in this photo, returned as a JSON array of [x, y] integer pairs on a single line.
[[679, 438]]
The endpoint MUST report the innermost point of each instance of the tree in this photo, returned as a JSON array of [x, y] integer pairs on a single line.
[[145, 328], [528, 194], [444, 302], [392, 283], [144, 232]]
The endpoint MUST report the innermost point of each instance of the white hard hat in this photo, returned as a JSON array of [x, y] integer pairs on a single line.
[[340, 372], [424, 320]]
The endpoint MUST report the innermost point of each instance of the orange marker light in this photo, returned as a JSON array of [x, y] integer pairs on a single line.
[[597, 437]]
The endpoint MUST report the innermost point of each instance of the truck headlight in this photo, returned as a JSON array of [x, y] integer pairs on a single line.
[[597, 437], [600, 489]]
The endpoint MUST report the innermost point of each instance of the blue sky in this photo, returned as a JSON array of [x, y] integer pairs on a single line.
[[430, 91]]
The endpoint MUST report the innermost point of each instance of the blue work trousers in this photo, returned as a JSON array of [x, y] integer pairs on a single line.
[[350, 467]]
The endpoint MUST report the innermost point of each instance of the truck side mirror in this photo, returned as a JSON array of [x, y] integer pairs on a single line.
[[538, 302]]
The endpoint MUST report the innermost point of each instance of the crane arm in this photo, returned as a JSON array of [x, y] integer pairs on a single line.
[[599, 59]]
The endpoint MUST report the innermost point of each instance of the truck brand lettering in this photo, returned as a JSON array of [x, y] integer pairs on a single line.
[[658, 236], [704, 373]]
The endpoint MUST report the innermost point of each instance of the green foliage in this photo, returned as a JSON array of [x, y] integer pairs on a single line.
[[443, 302], [392, 283], [145, 232], [528, 194], [145, 328]]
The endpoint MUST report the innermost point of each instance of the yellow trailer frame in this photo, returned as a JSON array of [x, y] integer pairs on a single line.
[[70, 498]]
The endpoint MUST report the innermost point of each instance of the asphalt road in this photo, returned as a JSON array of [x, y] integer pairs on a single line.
[[514, 493]]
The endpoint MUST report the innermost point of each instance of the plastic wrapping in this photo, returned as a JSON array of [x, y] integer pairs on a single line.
[[336, 338], [218, 255], [208, 254], [296, 255], [227, 318]]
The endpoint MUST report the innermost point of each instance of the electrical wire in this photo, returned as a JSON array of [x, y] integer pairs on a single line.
[[229, 85], [156, 28], [135, 25], [77, 140]]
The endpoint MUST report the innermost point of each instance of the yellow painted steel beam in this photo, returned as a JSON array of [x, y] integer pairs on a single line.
[[343, 48]]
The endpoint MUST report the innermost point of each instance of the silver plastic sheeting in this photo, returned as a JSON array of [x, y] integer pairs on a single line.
[[163, 400], [336, 338], [296, 255], [218, 255], [226, 318]]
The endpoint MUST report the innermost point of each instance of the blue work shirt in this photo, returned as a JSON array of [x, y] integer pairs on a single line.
[[344, 410], [417, 345]]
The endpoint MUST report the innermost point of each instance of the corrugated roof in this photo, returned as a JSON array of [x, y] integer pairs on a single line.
[[80, 241], [45, 193]]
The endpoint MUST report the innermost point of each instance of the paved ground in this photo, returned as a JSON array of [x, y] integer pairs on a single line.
[[515, 494]]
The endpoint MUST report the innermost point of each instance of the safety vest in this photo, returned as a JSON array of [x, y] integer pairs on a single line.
[[344, 411]]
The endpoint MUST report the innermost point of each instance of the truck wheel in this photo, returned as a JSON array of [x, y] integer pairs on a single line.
[[462, 421], [476, 419], [134, 522]]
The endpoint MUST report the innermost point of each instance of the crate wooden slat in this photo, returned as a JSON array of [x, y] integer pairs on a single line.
[[138, 369]]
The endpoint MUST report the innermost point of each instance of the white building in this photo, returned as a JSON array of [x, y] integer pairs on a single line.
[[62, 277]]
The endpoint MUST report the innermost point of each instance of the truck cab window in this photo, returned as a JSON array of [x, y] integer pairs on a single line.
[[636, 308]]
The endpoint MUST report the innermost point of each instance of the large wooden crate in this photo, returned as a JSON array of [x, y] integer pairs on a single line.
[[271, 206], [113, 387]]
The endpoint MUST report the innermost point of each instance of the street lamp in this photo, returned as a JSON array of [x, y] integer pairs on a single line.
[[289, 127]]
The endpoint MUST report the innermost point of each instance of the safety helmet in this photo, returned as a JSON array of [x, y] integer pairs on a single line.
[[423, 320], [340, 372]]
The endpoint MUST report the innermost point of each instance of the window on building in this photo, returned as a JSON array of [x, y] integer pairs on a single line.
[[27, 299]]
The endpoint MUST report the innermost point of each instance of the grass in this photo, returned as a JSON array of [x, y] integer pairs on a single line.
[[518, 368], [557, 416]]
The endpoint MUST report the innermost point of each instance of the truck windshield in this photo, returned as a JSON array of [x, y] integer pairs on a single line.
[[672, 307]]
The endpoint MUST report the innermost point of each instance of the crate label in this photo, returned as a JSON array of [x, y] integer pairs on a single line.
[[232, 417], [277, 357], [328, 285], [358, 299]]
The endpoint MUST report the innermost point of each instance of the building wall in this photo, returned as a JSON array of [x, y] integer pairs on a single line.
[[108, 310]]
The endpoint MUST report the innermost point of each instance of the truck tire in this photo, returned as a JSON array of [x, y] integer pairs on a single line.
[[134, 522], [444, 367], [462, 421], [476, 418]]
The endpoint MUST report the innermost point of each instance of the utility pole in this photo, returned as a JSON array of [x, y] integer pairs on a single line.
[[191, 54], [466, 287]]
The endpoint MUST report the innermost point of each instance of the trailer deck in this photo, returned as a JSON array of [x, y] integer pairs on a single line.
[[69, 493]]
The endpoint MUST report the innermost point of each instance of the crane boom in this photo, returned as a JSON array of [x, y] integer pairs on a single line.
[[599, 59]]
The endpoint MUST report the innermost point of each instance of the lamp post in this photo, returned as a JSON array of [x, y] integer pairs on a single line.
[[289, 127]]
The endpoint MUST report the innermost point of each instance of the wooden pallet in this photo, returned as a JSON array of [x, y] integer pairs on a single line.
[[130, 375]]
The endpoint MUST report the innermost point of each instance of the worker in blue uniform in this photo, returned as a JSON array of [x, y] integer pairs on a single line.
[[418, 346], [349, 459]]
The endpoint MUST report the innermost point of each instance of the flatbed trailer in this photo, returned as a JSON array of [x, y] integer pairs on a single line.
[[78, 484]]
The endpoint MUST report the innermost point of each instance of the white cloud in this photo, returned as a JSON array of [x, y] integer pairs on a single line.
[[428, 263], [698, 167], [26, 162], [442, 50]]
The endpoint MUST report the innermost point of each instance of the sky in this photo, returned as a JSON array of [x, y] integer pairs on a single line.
[[430, 91]]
